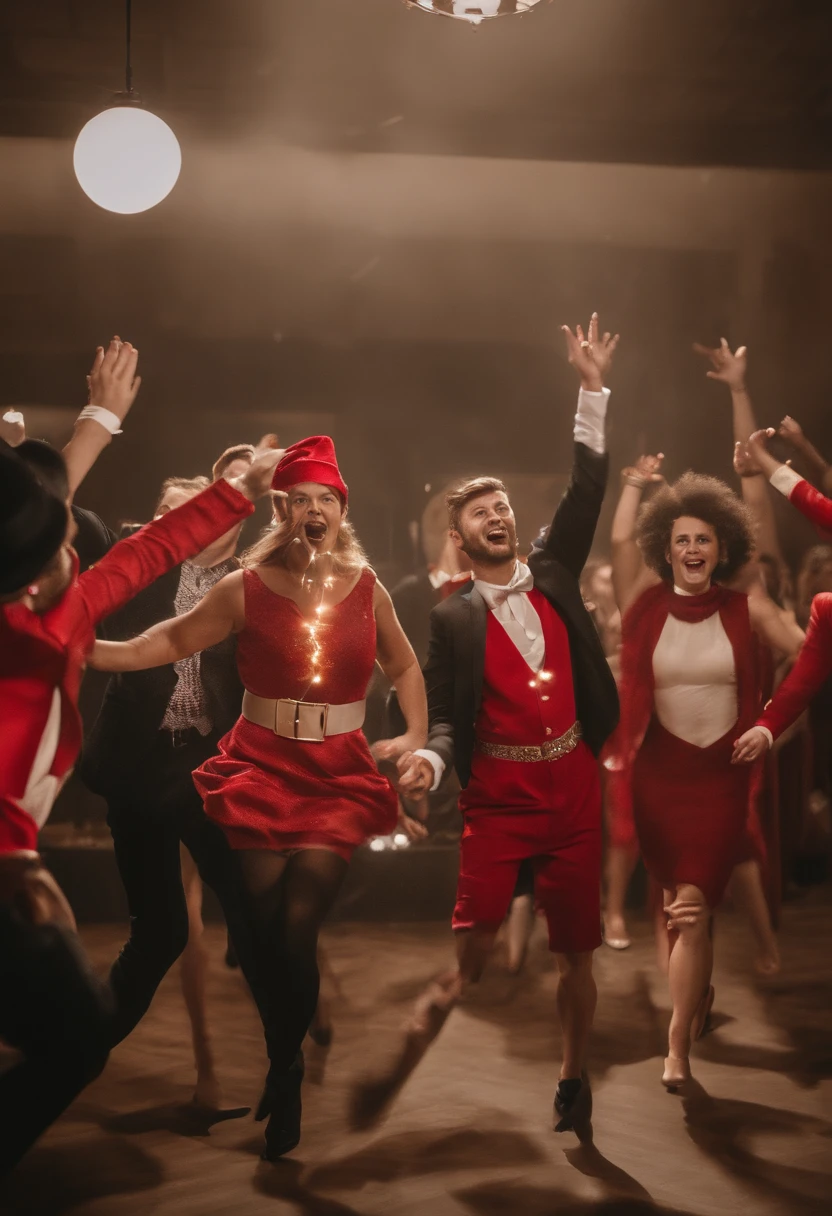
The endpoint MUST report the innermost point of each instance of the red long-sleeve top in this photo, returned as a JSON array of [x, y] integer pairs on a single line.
[[42, 652], [814, 663]]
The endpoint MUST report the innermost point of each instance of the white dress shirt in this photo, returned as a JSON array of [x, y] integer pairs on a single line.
[[510, 602]]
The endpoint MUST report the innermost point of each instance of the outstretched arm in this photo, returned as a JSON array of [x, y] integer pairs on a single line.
[[572, 531], [814, 505], [729, 368], [400, 665], [112, 387], [220, 613], [819, 470], [810, 672], [630, 576], [140, 559]]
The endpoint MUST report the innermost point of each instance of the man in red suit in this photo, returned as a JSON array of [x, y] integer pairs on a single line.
[[814, 663], [51, 1006], [521, 701]]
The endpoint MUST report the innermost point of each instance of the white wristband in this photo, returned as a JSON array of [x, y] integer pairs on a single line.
[[106, 418]]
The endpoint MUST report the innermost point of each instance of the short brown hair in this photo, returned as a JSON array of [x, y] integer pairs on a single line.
[[239, 452], [189, 484], [456, 499], [700, 497]]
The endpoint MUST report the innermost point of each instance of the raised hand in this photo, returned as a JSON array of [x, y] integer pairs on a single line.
[[647, 469], [12, 428], [745, 464], [791, 431], [112, 382], [759, 458], [750, 746], [726, 366], [257, 479], [591, 356]]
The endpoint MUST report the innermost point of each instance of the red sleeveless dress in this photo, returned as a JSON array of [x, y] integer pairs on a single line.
[[267, 792]]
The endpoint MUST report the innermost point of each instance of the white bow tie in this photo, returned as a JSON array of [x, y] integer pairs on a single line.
[[494, 595]]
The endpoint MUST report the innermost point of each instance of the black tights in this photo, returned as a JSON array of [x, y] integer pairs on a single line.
[[289, 899]]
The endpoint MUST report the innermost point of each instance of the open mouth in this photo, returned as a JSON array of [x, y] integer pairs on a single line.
[[496, 535], [315, 530], [694, 566]]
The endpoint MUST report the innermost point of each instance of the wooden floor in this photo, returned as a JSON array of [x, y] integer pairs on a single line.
[[471, 1134]]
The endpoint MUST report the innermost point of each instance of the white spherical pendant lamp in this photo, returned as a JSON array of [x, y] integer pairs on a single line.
[[126, 159], [473, 11]]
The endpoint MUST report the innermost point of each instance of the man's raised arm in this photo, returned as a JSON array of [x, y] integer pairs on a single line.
[[573, 529]]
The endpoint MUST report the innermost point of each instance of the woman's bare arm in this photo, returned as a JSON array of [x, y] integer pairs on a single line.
[[400, 665], [220, 613], [630, 576], [777, 628]]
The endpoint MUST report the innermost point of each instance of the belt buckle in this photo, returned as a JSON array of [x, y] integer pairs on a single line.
[[304, 721]]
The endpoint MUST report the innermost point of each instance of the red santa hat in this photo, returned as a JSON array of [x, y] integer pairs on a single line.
[[311, 459]]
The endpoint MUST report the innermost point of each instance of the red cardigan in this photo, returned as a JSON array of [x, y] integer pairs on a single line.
[[43, 651]]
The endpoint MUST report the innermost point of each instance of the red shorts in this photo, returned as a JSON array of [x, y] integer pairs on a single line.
[[563, 842]]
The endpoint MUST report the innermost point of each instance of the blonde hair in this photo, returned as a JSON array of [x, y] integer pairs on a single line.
[[270, 549], [190, 485]]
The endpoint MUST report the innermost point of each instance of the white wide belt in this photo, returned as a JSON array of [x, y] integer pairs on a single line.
[[306, 721]]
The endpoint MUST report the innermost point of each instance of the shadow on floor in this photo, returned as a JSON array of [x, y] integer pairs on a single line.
[[52, 1180], [722, 1128], [410, 1154]]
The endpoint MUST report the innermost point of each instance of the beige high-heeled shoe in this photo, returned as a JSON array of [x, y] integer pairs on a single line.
[[676, 1072]]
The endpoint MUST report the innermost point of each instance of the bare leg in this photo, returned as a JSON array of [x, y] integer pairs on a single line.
[[576, 1000], [370, 1099], [747, 892], [193, 974], [519, 931], [621, 862], [689, 974]]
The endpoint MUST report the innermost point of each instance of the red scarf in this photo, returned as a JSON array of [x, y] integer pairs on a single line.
[[641, 629]]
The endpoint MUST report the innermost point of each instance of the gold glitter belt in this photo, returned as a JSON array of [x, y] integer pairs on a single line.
[[552, 749]]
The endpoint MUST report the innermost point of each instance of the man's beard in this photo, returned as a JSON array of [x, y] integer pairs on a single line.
[[487, 555]]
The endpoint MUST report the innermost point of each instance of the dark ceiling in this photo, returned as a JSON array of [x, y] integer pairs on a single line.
[[743, 82]]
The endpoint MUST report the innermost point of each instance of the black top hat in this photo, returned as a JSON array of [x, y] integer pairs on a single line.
[[33, 523]]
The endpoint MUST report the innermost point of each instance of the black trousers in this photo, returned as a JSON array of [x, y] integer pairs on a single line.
[[148, 819], [55, 1011]]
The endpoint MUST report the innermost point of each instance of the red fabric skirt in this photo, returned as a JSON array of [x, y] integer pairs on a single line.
[[691, 811], [267, 792]]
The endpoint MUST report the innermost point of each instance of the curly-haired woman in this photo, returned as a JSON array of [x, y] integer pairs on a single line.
[[294, 787], [689, 685]]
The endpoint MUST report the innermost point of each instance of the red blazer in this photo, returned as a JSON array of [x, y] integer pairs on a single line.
[[812, 669], [41, 652]]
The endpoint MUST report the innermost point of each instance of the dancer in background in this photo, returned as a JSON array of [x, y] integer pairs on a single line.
[[153, 729], [50, 1007], [521, 701], [294, 787], [689, 677]]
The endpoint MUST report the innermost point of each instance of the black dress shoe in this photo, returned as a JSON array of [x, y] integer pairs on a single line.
[[281, 1101], [573, 1108]]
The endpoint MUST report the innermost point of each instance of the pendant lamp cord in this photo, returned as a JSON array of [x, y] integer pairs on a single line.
[[128, 68]]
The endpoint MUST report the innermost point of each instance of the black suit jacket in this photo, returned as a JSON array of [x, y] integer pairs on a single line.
[[456, 656], [413, 598], [135, 701]]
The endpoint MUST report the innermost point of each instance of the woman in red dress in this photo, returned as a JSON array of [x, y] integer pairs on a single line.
[[295, 787], [689, 679]]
